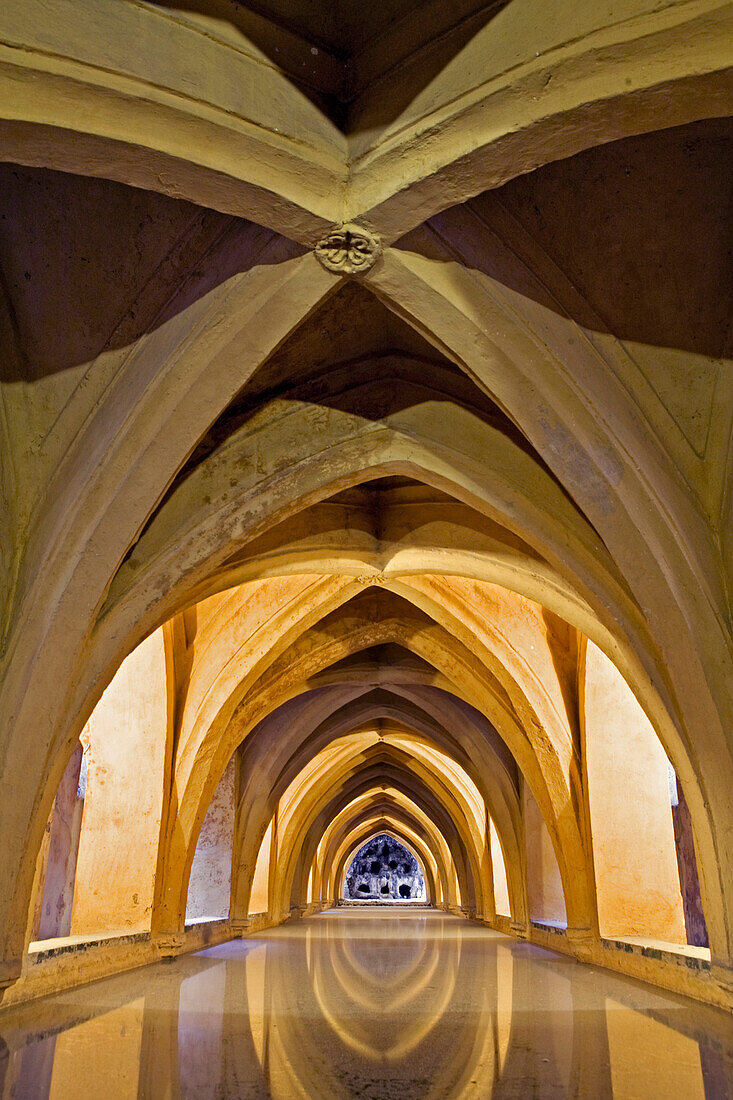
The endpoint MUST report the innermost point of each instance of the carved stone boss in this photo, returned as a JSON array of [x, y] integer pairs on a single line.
[[348, 249]]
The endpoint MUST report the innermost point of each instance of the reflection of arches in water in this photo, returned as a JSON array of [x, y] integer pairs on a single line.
[[249, 1012], [368, 957], [355, 1004], [384, 869], [423, 1030], [505, 1015], [364, 985]]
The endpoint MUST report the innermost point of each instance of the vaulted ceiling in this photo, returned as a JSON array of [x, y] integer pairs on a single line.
[[365, 505]]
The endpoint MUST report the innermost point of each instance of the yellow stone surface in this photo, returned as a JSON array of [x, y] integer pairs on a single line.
[[366, 411]]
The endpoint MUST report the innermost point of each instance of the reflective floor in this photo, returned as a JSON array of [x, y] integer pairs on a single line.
[[370, 1004]]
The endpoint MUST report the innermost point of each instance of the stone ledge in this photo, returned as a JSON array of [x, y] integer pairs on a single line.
[[695, 958], [552, 927], [41, 951], [52, 966], [401, 903], [676, 968]]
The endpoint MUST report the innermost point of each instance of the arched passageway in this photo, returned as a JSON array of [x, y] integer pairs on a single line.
[[365, 424]]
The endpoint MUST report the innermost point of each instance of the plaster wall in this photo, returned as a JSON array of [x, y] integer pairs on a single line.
[[637, 878], [120, 829], [259, 898], [544, 886], [211, 872], [501, 889]]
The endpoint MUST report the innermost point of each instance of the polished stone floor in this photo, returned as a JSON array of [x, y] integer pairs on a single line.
[[371, 1004]]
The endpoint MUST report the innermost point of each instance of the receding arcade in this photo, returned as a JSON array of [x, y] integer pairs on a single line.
[[367, 427]]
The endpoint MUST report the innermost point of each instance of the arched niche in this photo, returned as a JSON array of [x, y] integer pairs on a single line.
[[384, 870]]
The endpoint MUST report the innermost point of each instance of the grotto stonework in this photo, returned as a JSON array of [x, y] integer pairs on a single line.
[[384, 870]]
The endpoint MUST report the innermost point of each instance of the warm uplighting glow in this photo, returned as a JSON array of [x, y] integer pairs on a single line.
[[366, 444]]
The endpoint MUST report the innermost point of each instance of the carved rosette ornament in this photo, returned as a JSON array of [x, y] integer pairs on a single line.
[[348, 249]]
